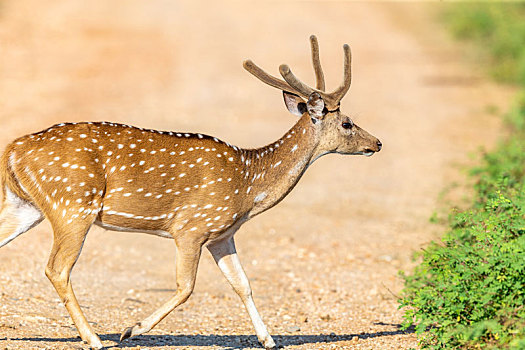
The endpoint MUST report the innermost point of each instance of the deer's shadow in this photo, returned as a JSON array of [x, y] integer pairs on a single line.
[[228, 342]]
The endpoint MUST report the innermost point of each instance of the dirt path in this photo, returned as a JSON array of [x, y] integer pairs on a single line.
[[321, 263]]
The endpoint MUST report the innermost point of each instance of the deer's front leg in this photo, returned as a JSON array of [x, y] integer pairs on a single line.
[[226, 258]]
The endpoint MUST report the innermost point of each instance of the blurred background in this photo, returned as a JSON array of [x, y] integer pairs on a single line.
[[323, 264]]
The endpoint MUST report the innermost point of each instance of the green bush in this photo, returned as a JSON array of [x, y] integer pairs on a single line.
[[469, 290], [498, 29]]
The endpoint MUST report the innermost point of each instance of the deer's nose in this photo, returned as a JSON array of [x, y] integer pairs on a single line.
[[379, 145]]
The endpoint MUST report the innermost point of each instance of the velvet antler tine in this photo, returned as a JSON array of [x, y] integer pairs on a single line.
[[293, 85], [319, 76], [300, 87], [340, 92], [267, 78]]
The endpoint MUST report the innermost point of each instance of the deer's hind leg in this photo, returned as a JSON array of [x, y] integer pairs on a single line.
[[188, 256], [16, 217], [67, 244]]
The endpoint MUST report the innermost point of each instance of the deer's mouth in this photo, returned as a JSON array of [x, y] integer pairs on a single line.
[[366, 152]]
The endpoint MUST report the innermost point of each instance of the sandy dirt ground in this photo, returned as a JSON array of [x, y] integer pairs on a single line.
[[323, 264]]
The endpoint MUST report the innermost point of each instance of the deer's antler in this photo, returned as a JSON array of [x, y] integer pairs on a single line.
[[293, 85], [319, 76]]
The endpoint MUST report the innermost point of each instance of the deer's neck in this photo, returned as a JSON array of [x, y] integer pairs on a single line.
[[271, 172]]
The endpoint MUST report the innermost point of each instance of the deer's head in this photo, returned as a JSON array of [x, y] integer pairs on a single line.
[[337, 132]]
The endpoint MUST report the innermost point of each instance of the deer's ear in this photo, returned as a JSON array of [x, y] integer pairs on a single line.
[[294, 103], [315, 106]]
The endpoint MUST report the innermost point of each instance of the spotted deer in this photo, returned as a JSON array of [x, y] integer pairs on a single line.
[[192, 188]]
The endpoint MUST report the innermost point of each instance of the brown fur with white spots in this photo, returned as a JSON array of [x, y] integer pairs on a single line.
[[193, 188]]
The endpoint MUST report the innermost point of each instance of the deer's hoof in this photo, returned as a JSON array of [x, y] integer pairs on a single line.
[[268, 343], [95, 344], [127, 333]]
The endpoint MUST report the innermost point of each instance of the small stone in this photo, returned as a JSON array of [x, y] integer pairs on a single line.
[[303, 319], [293, 329], [326, 317]]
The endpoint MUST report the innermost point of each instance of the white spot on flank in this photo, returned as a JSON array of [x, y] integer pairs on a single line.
[[260, 197], [294, 148]]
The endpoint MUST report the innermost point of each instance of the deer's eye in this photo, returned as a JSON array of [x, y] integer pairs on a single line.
[[347, 125]]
